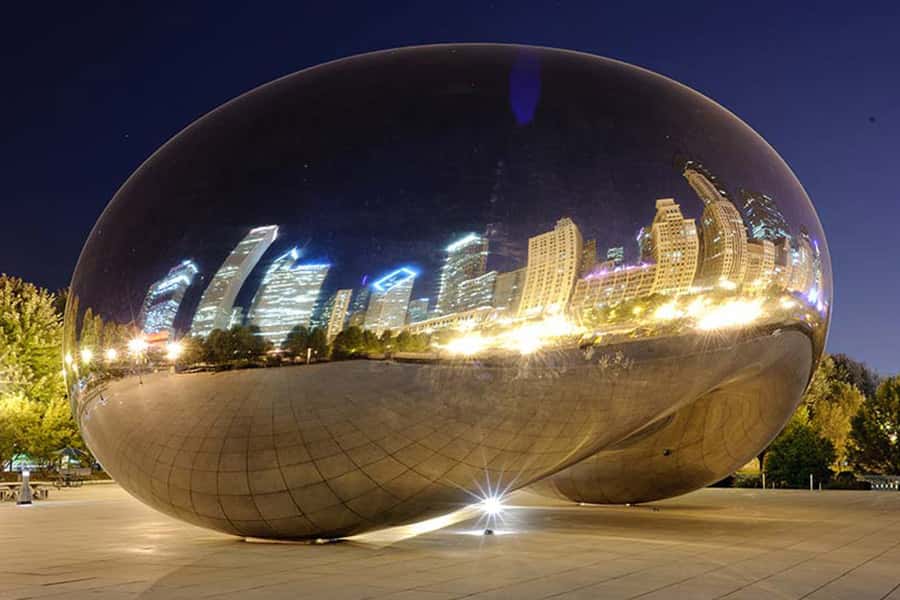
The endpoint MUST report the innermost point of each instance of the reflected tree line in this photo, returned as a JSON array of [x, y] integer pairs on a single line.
[[241, 346]]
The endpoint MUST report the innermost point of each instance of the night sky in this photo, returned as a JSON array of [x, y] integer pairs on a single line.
[[90, 93]]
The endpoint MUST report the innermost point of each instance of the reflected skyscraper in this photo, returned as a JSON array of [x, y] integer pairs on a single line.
[[724, 249], [466, 259], [390, 300], [508, 290], [287, 296], [674, 247], [164, 298], [477, 292], [554, 260], [802, 277], [334, 313], [214, 310], [760, 265], [764, 219], [616, 255], [418, 310]]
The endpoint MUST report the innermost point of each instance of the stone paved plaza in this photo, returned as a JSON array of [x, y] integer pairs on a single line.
[[97, 542]]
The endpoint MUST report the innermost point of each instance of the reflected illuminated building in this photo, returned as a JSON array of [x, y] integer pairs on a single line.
[[466, 259], [764, 219], [616, 255], [554, 260], [217, 301], [724, 244], [164, 298], [334, 314], [418, 310], [237, 317], [802, 275], [389, 300], [476, 292], [674, 247], [588, 257], [761, 270], [508, 289], [287, 296]]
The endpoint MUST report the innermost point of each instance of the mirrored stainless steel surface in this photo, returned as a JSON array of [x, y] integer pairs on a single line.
[[388, 286]]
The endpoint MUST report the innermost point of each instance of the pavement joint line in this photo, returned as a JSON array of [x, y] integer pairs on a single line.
[[798, 563]]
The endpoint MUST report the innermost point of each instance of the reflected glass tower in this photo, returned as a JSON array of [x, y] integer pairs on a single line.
[[215, 308], [287, 296], [389, 300], [764, 219], [164, 298], [418, 310], [466, 259], [477, 292], [508, 290]]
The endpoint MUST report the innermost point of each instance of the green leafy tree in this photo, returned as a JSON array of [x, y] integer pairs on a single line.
[[20, 418], [855, 373], [874, 441], [349, 343], [247, 341], [318, 343], [798, 453], [219, 346], [34, 413], [297, 341], [830, 403], [372, 344], [30, 341]]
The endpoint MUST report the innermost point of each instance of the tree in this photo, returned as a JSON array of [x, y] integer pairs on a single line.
[[855, 373], [798, 453], [30, 341], [874, 441], [296, 342], [348, 343], [830, 403], [318, 342]]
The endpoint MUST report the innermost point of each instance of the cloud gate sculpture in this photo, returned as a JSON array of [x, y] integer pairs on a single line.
[[388, 286]]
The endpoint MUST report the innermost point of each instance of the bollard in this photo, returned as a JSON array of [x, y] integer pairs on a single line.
[[25, 491]]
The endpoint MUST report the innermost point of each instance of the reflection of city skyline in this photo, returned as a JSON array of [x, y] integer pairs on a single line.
[[750, 246]]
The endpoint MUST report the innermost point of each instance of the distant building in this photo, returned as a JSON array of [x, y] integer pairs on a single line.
[[674, 248], [476, 292], [390, 300], [287, 296], [724, 248], [605, 287], [554, 260], [164, 298], [764, 219], [458, 320], [760, 265], [418, 310], [616, 255], [466, 259], [214, 310], [334, 314], [781, 275], [508, 288], [803, 272], [588, 257]]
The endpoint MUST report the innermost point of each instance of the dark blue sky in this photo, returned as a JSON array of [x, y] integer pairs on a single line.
[[90, 90]]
